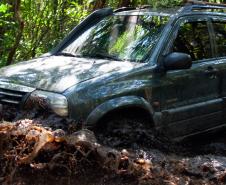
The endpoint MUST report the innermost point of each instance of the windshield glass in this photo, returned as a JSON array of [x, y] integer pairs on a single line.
[[119, 37]]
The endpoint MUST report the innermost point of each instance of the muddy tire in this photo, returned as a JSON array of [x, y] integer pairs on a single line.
[[123, 131]]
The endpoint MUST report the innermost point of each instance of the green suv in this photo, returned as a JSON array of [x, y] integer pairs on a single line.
[[130, 68]]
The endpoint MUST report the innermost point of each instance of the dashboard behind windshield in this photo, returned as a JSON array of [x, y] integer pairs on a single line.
[[119, 37]]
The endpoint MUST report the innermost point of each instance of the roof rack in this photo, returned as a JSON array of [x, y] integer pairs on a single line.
[[132, 8], [191, 5], [196, 2]]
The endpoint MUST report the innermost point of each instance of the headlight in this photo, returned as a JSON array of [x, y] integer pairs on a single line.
[[57, 102]]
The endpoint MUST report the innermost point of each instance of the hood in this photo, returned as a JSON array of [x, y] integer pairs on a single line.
[[58, 73]]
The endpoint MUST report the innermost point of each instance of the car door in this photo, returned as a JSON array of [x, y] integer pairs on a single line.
[[219, 30], [189, 99]]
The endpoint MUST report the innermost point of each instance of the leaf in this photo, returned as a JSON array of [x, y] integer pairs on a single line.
[[4, 8]]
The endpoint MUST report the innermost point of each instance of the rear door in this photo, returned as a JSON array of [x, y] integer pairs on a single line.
[[189, 99], [219, 30]]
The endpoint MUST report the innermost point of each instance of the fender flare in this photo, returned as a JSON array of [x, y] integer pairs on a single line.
[[116, 103]]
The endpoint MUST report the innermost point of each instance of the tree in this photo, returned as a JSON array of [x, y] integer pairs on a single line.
[[18, 19], [29, 28]]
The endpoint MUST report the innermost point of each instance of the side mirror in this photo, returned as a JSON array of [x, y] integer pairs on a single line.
[[177, 60]]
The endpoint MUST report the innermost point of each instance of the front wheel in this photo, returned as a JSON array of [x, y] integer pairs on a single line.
[[124, 131]]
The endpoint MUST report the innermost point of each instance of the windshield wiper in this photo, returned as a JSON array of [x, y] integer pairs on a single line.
[[106, 56], [66, 54], [95, 55]]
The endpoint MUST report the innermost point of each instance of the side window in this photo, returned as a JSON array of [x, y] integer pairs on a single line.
[[193, 39], [220, 37]]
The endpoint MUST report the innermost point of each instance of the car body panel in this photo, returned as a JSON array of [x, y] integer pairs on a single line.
[[58, 73], [104, 88], [118, 103]]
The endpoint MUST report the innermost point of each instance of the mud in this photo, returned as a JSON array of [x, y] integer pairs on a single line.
[[37, 147]]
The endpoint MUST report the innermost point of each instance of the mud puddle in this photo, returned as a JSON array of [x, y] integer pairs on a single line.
[[41, 148]]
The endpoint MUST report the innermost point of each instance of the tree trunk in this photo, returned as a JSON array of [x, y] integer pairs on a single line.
[[124, 3], [99, 4], [19, 34]]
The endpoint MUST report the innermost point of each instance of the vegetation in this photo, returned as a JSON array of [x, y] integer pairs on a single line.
[[29, 28]]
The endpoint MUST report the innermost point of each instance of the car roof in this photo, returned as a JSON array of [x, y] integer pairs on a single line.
[[191, 7]]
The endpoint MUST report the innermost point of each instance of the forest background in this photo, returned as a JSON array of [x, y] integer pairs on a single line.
[[29, 28]]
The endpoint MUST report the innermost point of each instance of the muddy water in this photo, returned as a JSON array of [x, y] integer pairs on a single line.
[[201, 160]]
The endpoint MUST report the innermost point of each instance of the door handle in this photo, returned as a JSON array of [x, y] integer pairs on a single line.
[[211, 71]]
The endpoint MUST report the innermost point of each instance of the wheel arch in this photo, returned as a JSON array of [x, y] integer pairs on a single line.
[[129, 104]]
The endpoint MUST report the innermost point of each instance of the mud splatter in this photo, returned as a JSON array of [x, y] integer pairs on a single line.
[[41, 148]]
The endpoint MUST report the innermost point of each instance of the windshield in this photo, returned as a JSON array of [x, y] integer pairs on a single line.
[[119, 37]]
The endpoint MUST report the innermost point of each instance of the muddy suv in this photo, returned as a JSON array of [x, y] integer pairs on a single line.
[[132, 68]]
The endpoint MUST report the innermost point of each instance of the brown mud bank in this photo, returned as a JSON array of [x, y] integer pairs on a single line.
[[45, 149]]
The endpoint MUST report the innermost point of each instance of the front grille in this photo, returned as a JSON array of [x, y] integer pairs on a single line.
[[11, 96]]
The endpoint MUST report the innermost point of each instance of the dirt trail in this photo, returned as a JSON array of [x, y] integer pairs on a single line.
[[44, 149]]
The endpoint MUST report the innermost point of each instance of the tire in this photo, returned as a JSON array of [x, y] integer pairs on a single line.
[[123, 131]]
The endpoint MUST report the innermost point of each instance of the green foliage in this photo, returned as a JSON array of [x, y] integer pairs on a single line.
[[7, 31], [3, 8], [165, 3], [43, 23], [46, 23]]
